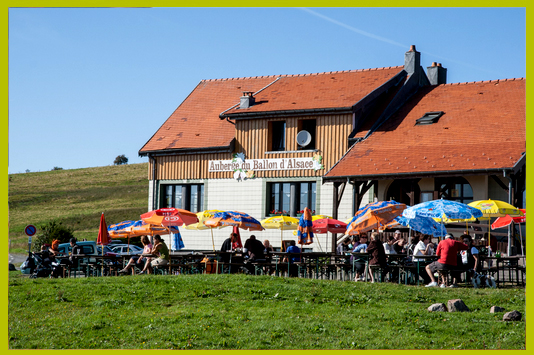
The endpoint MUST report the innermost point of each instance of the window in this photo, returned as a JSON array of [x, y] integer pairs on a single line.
[[281, 196], [456, 189], [429, 118], [308, 126], [188, 197], [277, 135]]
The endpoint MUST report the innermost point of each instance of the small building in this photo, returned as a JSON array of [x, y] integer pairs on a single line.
[[335, 141]]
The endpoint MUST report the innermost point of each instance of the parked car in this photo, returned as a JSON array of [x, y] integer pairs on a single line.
[[125, 249], [88, 248]]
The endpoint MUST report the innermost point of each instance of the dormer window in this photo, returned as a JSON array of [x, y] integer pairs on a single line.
[[429, 118]]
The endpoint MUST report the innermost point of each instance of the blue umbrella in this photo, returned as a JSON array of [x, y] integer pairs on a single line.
[[176, 241], [425, 225], [305, 229], [442, 209]]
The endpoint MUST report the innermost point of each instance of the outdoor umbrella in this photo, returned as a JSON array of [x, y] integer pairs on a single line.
[[176, 241], [325, 225], [375, 218], [103, 237], [234, 218], [425, 225], [371, 206], [237, 243], [495, 208], [505, 221], [203, 216], [280, 222], [169, 216], [442, 209], [305, 228]]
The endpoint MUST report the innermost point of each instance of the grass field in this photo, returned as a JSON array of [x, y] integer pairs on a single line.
[[76, 198], [253, 312]]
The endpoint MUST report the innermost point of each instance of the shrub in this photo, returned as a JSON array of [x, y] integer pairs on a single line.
[[50, 231]]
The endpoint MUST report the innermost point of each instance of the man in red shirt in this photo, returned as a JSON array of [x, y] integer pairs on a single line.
[[448, 256]]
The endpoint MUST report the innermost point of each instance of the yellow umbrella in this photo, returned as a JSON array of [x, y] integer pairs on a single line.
[[280, 222], [204, 216], [495, 208], [320, 216]]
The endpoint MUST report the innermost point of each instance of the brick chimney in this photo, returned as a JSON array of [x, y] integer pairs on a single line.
[[412, 60], [436, 74], [247, 100]]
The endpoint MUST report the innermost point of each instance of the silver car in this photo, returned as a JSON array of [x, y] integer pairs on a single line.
[[125, 249]]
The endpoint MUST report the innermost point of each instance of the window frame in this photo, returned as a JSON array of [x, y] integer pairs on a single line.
[[186, 196]]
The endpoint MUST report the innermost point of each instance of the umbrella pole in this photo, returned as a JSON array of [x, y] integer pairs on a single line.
[[521, 240], [212, 241]]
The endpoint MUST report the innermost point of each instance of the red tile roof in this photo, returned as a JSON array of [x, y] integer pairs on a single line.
[[483, 128], [319, 91], [196, 122]]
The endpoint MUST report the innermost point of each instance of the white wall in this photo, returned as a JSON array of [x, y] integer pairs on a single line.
[[249, 197]]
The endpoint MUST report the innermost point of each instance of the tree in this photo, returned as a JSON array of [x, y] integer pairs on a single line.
[[120, 159], [57, 168], [50, 231]]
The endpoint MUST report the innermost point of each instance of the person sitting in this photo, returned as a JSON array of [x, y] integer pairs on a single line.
[[447, 251], [268, 256], [399, 243], [294, 258], [423, 247], [162, 251], [388, 246], [470, 258], [139, 260], [378, 255], [343, 247], [359, 262], [254, 248]]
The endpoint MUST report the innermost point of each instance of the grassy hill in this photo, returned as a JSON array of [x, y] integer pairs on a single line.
[[76, 198]]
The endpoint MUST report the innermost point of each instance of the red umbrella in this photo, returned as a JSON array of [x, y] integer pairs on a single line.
[[169, 216], [103, 237], [237, 243], [325, 225], [505, 221]]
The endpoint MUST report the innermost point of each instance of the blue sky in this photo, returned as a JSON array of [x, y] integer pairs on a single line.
[[89, 84]]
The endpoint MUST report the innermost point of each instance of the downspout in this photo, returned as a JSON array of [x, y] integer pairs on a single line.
[[154, 190], [506, 174], [353, 195]]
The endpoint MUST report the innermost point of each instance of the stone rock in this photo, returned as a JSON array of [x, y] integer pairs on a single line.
[[496, 309], [437, 307], [512, 316], [457, 305]]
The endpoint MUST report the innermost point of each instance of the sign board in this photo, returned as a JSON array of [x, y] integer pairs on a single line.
[[264, 164], [30, 230]]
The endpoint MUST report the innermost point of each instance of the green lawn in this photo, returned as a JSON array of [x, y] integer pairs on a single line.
[[253, 312]]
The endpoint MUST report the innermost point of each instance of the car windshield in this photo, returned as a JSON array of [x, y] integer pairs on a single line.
[[106, 249]]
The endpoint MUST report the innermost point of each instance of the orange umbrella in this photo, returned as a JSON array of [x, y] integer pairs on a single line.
[[375, 219], [169, 216]]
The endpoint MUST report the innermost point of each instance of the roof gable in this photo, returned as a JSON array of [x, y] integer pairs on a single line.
[[482, 128]]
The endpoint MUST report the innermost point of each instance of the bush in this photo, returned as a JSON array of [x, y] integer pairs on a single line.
[[50, 231], [121, 159]]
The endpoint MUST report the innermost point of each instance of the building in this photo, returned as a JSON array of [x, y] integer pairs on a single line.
[[335, 141]]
